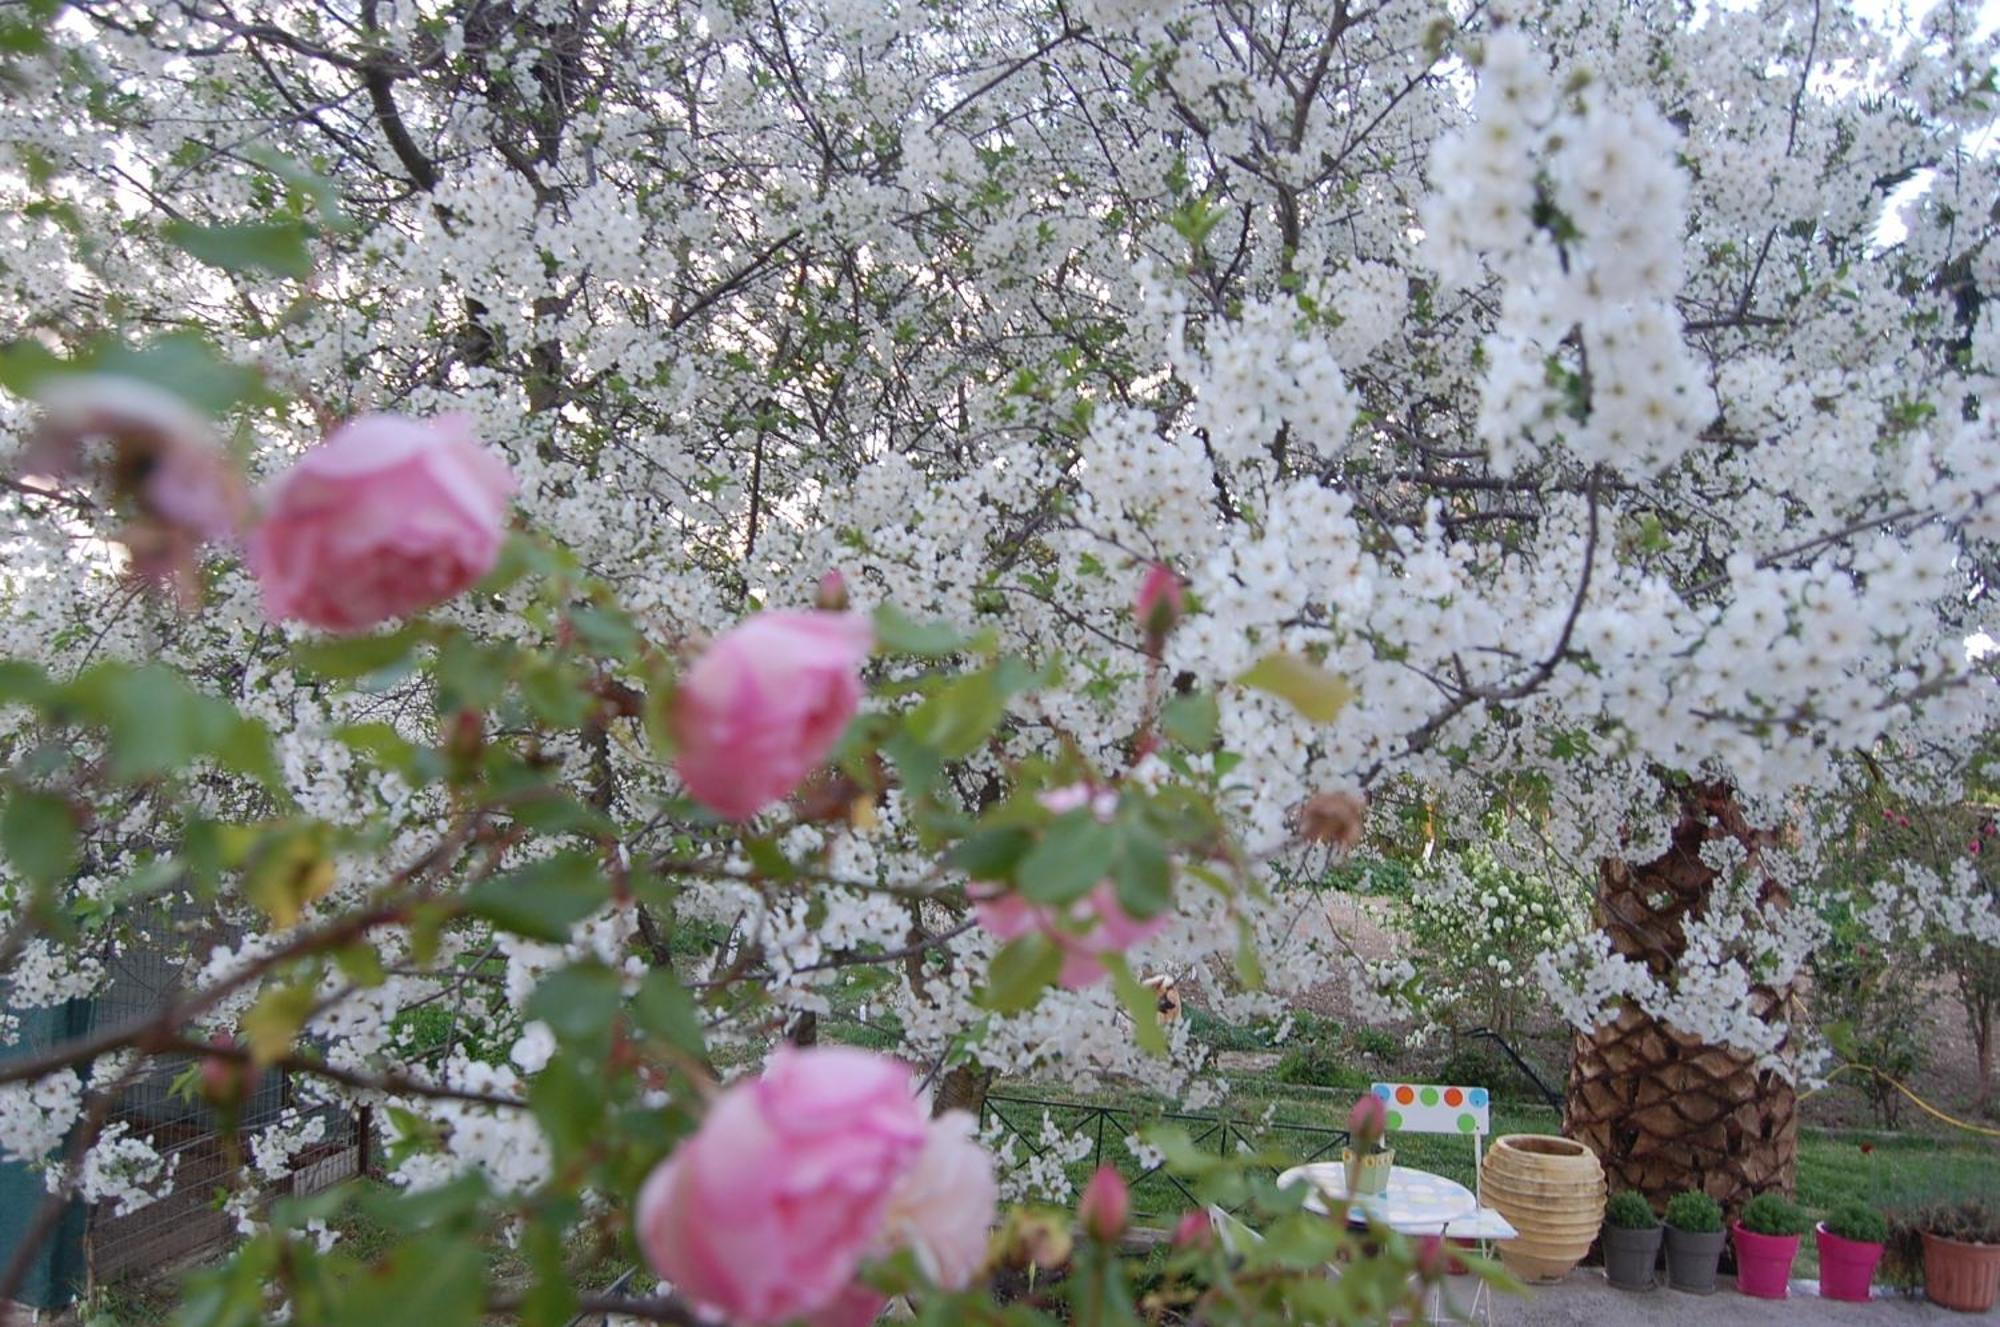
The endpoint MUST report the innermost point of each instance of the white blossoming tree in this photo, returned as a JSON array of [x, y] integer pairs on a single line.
[[1573, 409]]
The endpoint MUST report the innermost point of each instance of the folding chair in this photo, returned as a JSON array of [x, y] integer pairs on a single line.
[[1467, 1112]]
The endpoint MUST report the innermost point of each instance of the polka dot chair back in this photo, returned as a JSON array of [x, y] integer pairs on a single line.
[[1436, 1108]]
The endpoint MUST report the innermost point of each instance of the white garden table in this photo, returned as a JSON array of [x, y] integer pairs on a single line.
[[1416, 1202]]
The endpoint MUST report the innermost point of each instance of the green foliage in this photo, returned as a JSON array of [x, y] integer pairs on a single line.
[[1970, 1221], [1359, 873], [1628, 1210], [1869, 1008], [1694, 1212], [1774, 1214], [1858, 1222]]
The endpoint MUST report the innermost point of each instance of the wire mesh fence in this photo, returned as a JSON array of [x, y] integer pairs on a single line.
[[201, 1163]]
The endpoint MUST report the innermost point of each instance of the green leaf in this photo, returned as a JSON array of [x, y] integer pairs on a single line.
[[346, 658], [1020, 973], [157, 723], [1075, 852], [1142, 873], [550, 1302], [897, 633], [471, 675], [1139, 1001], [917, 764], [555, 694], [323, 193], [991, 854], [556, 812], [23, 683], [38, 830], [1314, 692], [1192, 720], [438, 1281], [959, 717], [247, 246], [568, 1102], [544, 899], [606, 631], [1249, 967], [664, 1008], [288, 871], [577, 1002], [273, 1023]]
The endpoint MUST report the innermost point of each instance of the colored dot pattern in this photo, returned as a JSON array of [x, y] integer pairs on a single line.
[[1434, 1108]]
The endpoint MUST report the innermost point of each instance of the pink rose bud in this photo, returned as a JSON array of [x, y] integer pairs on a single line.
[[831, 596], [388, 517], [1106, 1205], [764, 704], [1195, 1231], [1159, 605], [1368, 1121], [225, 1079], [1432, 1260], [765, 1214], [944, 1209]]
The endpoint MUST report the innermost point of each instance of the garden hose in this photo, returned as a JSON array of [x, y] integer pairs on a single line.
[[1922, 1105]]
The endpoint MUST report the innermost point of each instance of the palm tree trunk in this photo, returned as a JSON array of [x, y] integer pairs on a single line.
[[1663, 1110]]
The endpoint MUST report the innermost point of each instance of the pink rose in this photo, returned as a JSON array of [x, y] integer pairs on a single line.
[[944, 1208], [766, 1212], [1106, 1205], [856, 1306], [165, 464], [764, 704], [1093, 925], [387, 517]]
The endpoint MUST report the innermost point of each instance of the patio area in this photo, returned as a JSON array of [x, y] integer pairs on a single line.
[[1586, 1300]]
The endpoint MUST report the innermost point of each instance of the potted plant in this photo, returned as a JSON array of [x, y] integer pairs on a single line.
[[1694, 1241], [1631, 1241], [1850, 1244], [1961, 1255], [1767, 1243], [1368, 1157]]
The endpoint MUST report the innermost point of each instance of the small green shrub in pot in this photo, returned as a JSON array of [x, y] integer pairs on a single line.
[[1857, 1222], [1629, 1211], [1767, 1244], [1694, 1237], [1694, 1213], [1850, 1241], [1774, 1214], [1631, 1241]]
